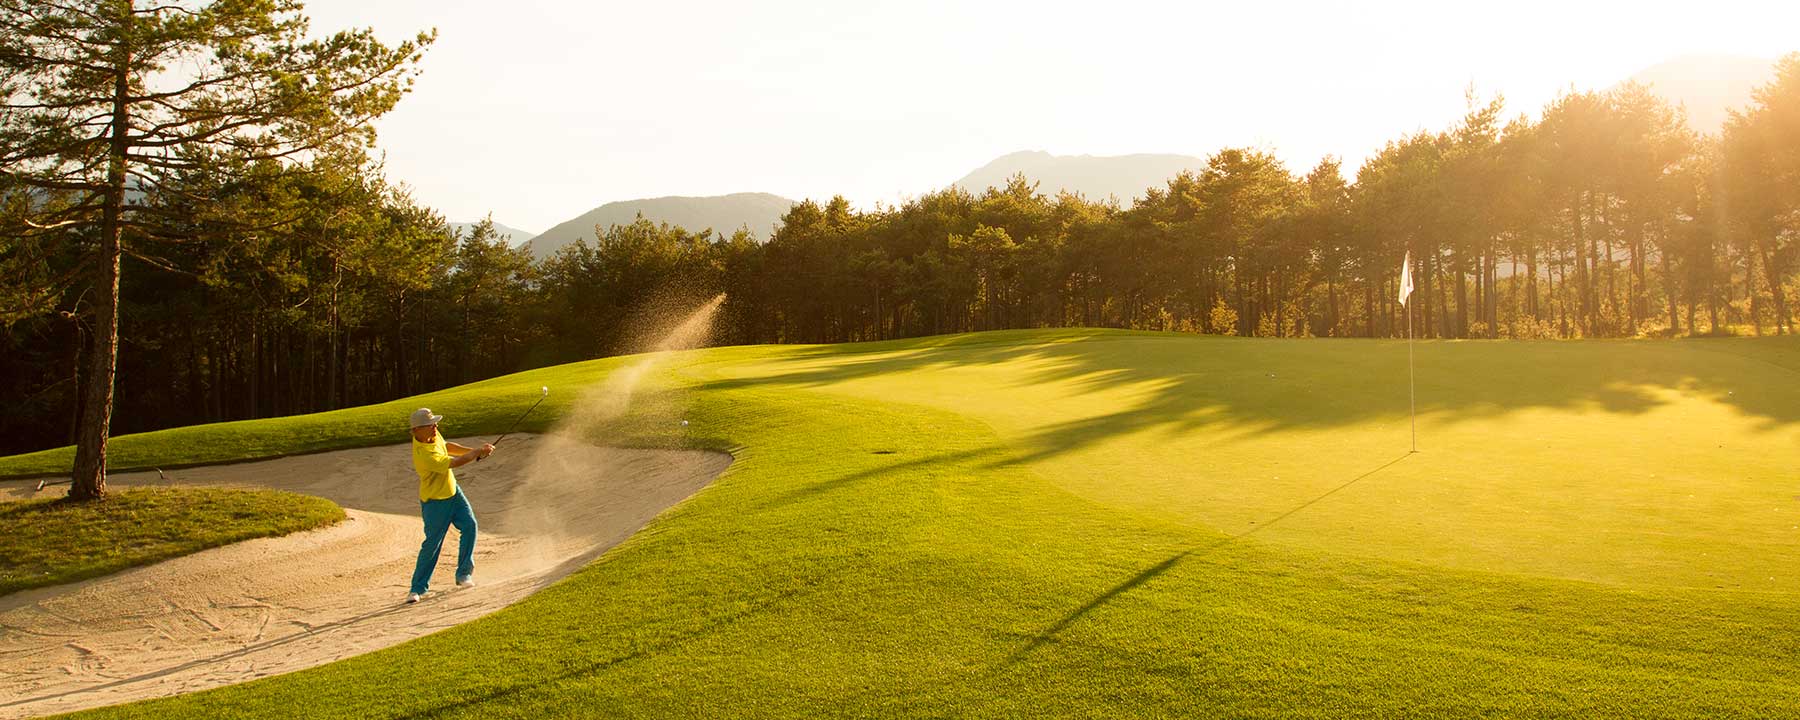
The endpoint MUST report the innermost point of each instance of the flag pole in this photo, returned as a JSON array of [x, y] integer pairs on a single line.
[[1412, 396]]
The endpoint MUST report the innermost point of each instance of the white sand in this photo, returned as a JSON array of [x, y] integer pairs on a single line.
[[545, 505]]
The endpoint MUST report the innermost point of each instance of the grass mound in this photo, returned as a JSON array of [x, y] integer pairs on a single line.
[[54, 541]]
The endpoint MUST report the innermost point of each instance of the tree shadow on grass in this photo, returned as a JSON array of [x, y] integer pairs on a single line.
[[1252, 387], [844, 481], [671, 642], [25, 511]]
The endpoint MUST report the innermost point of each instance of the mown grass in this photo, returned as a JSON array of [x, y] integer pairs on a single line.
[[54, 541], [1104, 524], [1629, 463]]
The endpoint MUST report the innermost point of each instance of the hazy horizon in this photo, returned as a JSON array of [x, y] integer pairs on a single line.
[[544, 111]]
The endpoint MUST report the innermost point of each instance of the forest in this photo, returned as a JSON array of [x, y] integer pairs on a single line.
[[273, 285]]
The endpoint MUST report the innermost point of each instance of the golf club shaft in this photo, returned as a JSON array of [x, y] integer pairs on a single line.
[[515, 424], [46, 482]]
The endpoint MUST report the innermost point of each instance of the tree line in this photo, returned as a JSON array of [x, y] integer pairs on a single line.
[[1605, 216], [279, 285]]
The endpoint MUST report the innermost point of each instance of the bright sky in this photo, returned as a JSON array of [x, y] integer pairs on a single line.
[[538, 111]]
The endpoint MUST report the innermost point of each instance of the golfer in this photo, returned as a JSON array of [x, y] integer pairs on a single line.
[[441, 501]]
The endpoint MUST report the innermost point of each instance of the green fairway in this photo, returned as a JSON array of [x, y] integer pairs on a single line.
[[1652, 463], [49, 542], [1104, 523]]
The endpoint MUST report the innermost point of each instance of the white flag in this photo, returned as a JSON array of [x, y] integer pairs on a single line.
[[1406, 277]]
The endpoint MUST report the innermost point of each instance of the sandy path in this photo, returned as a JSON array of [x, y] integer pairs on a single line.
[[545, 506]]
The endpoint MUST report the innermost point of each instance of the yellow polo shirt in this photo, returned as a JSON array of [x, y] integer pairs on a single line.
[[432, 461]]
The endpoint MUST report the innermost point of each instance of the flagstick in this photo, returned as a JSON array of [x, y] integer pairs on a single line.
[[1412, 396]]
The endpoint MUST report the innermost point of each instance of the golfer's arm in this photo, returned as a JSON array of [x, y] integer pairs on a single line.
[[464, 459], [456, 449]]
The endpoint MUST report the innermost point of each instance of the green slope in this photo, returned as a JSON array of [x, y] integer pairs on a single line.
[[1105, 523], [139, 527]]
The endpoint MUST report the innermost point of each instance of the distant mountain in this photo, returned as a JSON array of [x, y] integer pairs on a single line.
[[1092, 176], [723, 213], [519, 237], [1708, 85]]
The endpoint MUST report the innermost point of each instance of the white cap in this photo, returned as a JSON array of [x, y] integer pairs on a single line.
[[422, 417]]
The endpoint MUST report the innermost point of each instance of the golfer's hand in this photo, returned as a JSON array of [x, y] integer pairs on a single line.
[[487, 450]]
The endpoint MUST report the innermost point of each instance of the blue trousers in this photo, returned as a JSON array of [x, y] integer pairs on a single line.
[[439, 516]]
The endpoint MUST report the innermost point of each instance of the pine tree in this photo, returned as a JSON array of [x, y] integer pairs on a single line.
[[106, 99]]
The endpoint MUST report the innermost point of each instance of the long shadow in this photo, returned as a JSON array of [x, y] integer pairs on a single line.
[[1261, 386], [1147, 575], [1153, 571], [672, 642], [843, 481]]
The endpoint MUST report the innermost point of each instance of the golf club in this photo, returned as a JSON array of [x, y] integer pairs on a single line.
[[45, 482], [544, 394]]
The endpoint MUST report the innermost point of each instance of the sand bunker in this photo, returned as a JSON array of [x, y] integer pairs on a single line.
[[546, 506]]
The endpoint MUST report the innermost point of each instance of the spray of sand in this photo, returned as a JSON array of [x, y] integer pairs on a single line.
[[629, 403], [275, 605], [604, 405], [547, 504]]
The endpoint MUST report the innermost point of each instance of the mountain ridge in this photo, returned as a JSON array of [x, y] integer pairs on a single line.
[[517, 237], [756, 211], [1095, 177]]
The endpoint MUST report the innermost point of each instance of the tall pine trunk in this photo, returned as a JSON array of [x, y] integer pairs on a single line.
[[1369, 305], [1428, 272], [1773, 276], [1493, 288], [1461, 268], [1583, 278], [1750, 289], [1512, 299], [1531, 284], [1331, 311], [1668, 271], [88, 480]]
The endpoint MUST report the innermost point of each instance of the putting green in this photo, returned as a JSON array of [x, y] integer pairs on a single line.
[[1653, 463], [1110, 524]]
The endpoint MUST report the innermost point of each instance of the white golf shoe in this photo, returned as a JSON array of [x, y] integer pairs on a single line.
[[413, 597], [465, 582]]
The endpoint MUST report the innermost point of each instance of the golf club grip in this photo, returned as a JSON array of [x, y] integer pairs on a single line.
[[495, 443]]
